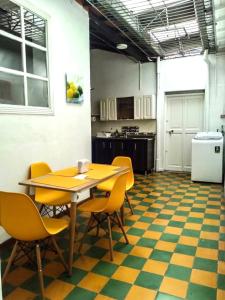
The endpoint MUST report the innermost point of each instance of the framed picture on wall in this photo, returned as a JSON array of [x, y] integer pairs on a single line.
[[74, 88]]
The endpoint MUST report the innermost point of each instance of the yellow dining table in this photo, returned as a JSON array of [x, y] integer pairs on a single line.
[[68, 180]]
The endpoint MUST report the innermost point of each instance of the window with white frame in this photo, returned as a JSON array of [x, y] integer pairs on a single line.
[[24, 80]]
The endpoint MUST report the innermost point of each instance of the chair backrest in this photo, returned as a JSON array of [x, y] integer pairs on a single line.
[[117, 194], [20, 217], [125, 161], [39, 169], [0, 215]]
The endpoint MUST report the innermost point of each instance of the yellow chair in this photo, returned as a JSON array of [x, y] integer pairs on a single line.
[[21, 219], [47, 197], [120, 161], [107, 206]]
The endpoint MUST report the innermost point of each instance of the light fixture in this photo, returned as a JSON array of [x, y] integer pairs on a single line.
[[121, 46]]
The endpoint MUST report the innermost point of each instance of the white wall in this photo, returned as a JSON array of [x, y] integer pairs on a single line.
[[65, 137], [115, 75], [181, 74], [216, 91], [186, 74], [189, 73]]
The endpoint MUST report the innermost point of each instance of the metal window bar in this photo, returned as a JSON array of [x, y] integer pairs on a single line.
[[10, 21]]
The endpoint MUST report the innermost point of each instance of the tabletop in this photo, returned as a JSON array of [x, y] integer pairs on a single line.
[[88, 184]]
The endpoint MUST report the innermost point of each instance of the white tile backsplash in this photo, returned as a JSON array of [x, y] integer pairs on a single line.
[[144, 125]]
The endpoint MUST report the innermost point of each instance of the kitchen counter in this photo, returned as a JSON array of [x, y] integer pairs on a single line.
[[124, 138], [140, 148]]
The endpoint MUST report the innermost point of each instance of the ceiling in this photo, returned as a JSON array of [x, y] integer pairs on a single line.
[[157, 28]]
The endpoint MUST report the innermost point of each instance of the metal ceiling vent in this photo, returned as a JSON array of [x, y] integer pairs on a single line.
[[165, 28]]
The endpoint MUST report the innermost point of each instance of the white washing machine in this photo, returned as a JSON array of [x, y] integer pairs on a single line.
[[207, 157]]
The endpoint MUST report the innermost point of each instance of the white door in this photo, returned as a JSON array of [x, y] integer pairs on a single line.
[[138, 107], [184, 118], [112, 108]]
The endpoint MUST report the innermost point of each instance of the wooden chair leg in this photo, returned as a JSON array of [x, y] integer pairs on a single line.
[[59, 253], [11, 258], [40, 272], [97, 230], [98, 224], [110, 237], [121, 227], [128, 201], [122, 214], [54, 211], [41, 208], [85, 233]]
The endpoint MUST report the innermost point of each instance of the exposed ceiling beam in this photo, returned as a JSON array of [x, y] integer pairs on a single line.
[[114, 37], [105, 35], [112, 47], [199, 9], [154, 31], [127, 31]]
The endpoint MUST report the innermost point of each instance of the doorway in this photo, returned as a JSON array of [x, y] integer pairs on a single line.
[[184, 118]]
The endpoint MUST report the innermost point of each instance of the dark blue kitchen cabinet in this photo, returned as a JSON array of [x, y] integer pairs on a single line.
[[140, 150]]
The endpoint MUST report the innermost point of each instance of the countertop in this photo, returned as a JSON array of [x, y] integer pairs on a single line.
[[129, 137]]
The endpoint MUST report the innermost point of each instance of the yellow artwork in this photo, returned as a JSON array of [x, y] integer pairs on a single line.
[[74, 89]]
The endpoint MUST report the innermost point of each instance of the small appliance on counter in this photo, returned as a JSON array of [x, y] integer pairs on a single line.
[[83, 165], [103, 134], [207, 157]]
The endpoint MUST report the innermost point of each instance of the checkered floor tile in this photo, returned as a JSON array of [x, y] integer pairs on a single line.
[[176, 249]]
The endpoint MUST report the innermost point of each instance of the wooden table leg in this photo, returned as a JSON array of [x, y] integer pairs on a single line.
[[73, 217], [91, 193]]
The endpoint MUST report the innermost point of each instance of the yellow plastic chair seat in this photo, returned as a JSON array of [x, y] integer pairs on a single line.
[[21, 219], [51, 197], [54, 226], [119, 161], [94, 205], [108, 185], [108, 207], [48, 197]]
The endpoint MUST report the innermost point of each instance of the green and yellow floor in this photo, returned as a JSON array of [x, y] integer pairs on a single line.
[[176, 250]]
